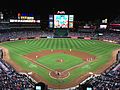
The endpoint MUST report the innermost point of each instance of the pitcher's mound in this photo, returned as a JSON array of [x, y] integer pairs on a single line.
[[60, 60], [59, 74]]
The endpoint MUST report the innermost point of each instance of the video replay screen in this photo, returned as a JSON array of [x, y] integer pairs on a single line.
[[61, 21]]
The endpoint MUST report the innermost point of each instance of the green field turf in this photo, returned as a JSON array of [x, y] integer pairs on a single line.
[[102, 50], [69, 61]]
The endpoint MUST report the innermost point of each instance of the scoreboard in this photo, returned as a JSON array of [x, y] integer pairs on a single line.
[[71, 19], [25, 18]]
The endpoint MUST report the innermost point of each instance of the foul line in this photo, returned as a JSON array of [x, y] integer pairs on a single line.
[[41, 65]]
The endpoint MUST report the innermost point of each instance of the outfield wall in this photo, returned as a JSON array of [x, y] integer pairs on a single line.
[[73, 37]]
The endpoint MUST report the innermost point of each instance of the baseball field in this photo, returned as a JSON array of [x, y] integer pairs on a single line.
[[60, 62]]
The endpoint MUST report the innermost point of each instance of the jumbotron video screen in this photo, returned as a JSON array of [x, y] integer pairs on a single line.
[[60, 21]]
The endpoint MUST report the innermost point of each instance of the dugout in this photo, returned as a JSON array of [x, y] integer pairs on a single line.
[[118, 57], [1, 53]]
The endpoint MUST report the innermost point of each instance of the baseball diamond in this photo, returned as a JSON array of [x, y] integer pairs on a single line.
[[59, 62]]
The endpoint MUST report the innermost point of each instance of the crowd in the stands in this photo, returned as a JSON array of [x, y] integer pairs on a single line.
[[11, 80], [109, 80], [81, 34], [111, 36], [4, 36], [115, 37]]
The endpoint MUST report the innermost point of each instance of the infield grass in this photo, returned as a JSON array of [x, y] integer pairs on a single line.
[[68, 61]]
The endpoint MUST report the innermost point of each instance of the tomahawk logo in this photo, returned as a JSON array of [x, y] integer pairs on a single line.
[[61, 12]]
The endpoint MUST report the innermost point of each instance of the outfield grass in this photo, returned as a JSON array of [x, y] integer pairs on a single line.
[[100, 49]]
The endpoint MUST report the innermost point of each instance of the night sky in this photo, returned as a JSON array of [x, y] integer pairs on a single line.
[[82, 9]]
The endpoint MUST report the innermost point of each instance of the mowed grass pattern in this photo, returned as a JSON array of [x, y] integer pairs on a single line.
[[68, 61], [100, 49]]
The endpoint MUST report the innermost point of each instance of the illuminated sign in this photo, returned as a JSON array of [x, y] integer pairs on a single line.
[[25, 16], [25, 21], [61, 12], [71, 19]]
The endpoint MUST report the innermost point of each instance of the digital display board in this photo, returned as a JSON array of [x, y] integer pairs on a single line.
[[51, 21], [70, 24], [71, 19], [24, 21], [60, 21], [50, 17], [50, 24], [103, 26]]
